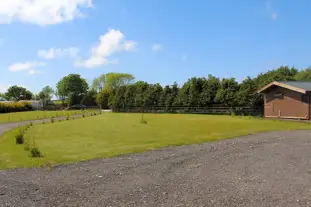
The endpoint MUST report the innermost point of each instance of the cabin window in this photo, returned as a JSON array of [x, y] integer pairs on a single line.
[[279, 95]]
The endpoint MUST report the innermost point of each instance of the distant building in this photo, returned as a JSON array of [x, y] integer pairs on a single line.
[[36, 105], [287, 99]]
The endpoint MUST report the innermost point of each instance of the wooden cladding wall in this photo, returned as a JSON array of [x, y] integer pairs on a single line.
[[290, 104]]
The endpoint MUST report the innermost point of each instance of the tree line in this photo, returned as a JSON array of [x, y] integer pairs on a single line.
[[198, 91], [120, 90]]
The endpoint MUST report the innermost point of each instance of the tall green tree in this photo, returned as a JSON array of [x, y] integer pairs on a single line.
[[209, 90], [115, 80], [72, 88], [226, 94], [17, 93], [99, 83], [304, 75]]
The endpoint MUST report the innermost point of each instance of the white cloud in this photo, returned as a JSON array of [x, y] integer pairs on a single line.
[[27, 66], [156, 47], [33, 72], [53, 53], [42, 12], [110, 43], [272, 13]]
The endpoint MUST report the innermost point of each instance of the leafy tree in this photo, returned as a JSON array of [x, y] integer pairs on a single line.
[[46, 94], [89, 99], [153, 94], [140, 96], [304, 75], [115, 80], [99, 83], [283, 73], [247, 94], [112, 80], [18, 93], [226, 95], [209, 90], [102, 99], [73, 88]]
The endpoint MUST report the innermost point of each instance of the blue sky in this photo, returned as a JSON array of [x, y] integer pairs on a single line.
[[156, 40]]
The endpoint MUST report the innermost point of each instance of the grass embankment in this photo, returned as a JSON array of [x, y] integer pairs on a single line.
[[34, 115], [114, 134]]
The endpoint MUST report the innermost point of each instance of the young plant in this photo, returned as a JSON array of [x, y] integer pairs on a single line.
[[19, 138], [142, 120], [35, 152]]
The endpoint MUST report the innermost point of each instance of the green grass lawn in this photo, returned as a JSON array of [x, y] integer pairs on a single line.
[[113, 134], [32, 115]]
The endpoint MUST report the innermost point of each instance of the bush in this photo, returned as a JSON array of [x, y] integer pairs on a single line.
[[15, 107], [35, 152], [52, 120], [19, 138]]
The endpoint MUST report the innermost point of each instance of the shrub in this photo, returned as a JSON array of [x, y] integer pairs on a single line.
[[52, 120], [83, 115], [35, 152], [19, 138], [67, 117], [15, 107]]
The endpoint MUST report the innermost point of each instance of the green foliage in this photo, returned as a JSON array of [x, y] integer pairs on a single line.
[[89, 99], [19, 138], [116, 80], [35, 152], [15, 107], [201, 92], [102, 99], [52, 120], [73, 88], [226, 94], [17, 93], [304, 75]]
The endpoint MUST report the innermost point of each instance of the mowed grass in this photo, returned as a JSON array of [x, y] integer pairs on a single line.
[[33, 115], [113, 134]]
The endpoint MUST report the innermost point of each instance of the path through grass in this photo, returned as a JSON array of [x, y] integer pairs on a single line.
[[113, 134]]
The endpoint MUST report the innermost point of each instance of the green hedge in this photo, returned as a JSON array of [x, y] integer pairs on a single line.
[[15, 107]]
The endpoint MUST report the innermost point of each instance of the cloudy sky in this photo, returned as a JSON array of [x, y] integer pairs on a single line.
[[156, 40]]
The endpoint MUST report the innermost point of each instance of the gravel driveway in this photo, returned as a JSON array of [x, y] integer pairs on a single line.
[[269, 169]]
